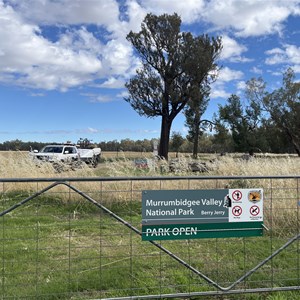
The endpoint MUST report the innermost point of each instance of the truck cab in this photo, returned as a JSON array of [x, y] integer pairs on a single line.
[[57, 152]]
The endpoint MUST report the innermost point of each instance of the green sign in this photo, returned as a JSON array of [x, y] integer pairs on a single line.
[[190, 214], [197, 231]]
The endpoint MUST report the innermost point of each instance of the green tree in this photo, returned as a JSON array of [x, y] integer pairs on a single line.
[[283, 105], [84, 143], [127, 145], [282, 109], [143, 145], [272, 139], [162, 86], [222, 139], [177, 141], [194, 110], [14, 145], [243, 123]]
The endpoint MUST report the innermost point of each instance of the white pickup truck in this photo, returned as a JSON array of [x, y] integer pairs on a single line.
[[67, 153]]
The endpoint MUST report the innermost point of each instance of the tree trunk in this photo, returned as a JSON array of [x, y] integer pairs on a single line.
[[196, 133], [293, 140], [196, 141], [296, 147], [164, 137]]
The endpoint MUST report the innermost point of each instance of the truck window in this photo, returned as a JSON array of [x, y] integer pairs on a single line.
[[52, 149], [58, 149], [70, 150]]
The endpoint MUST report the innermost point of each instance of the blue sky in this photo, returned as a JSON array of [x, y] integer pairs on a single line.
[[63, 63]]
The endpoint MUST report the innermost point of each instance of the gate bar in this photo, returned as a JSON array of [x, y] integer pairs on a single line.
[[178, 259]]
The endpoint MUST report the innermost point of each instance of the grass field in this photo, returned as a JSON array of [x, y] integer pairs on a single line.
[[53, 249], [59, 246], [19, 165]]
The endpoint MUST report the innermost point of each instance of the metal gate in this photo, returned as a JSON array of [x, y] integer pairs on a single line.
[[80, 238]]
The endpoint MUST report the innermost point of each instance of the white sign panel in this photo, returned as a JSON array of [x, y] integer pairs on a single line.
[[246, 205]]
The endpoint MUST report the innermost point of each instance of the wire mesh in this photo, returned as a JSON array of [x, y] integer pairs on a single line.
[[80, 238]]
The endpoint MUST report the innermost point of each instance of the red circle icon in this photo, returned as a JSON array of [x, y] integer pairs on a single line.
[[254, 210], [237, 211], [237, 195]]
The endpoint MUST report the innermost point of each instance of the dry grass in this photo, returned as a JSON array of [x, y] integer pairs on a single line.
[[216, 165], [130, 154], [19, 165], [260, 166], [284, 191], [15, 164]]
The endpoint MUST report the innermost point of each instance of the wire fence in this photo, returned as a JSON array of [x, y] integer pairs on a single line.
[[81, 238]]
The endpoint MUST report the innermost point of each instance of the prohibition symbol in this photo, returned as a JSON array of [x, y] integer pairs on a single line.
[[254, 210], [237, 195], [237, 211]]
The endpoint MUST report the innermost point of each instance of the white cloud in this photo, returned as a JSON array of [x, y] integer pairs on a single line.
[[135, 13], [296, 68], [227, 74], [92, 130], [276, 56], [256, 70], [250, 18], [113, 82], [32, 60], [241, 85], [47, 12], [289, 55], [245, 17], [123, 94], [96, 98], [293, 53], [189, 10], [80, 40], [105, 14], [117, 57], [219, 93], [232, 50], [77, 57]]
